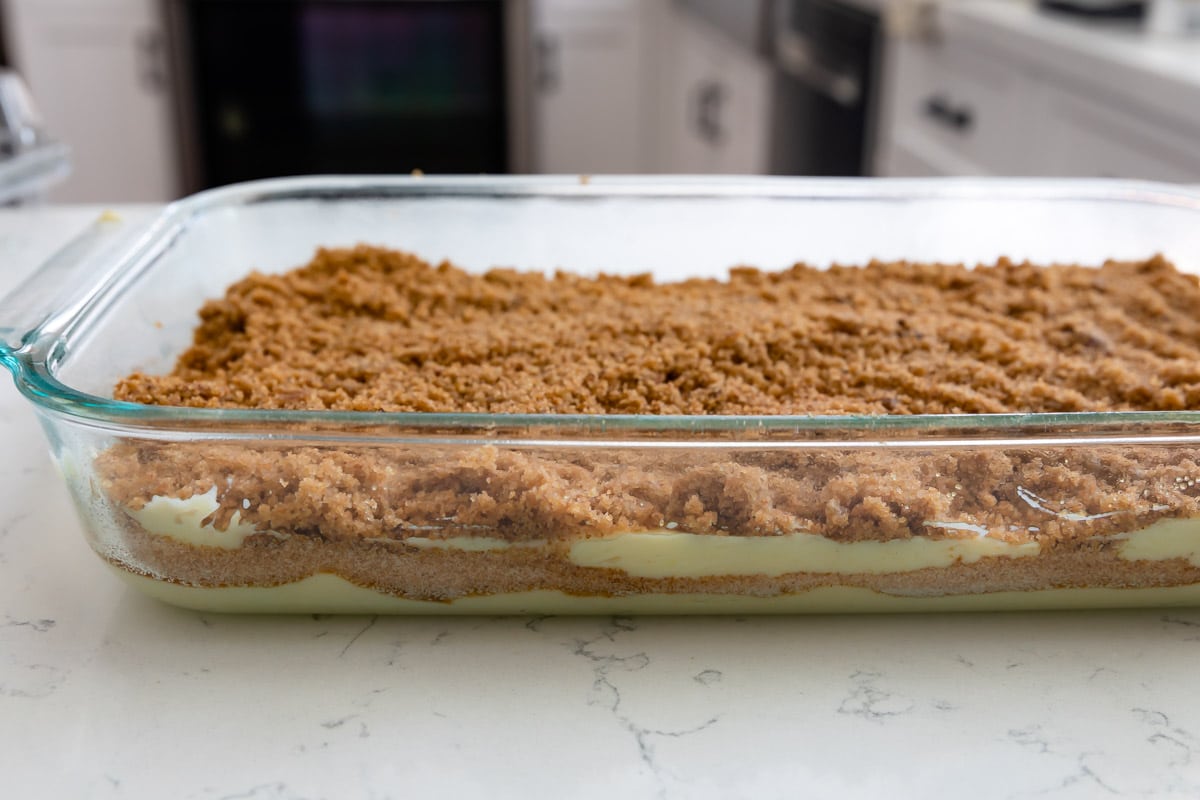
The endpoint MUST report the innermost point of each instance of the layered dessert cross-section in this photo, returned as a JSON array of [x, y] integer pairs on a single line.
[[722, 519]]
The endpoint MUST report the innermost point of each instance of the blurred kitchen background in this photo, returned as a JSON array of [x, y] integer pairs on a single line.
[[159, 98]]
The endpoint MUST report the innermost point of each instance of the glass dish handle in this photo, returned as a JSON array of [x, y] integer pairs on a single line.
[[55, 286]]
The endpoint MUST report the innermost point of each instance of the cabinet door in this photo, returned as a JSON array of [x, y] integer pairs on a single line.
[[742, 146], [587, 74], [958, 108], [966, 102], [1085, 138], [714, 109], [98, 74]]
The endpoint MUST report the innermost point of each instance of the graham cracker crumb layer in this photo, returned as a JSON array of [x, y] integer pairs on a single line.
[[395, 569], [1054, 496]]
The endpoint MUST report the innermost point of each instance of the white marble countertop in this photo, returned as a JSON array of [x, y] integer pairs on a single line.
[[106, 694]]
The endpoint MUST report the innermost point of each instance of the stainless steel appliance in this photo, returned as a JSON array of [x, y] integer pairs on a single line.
[[31, 161], [825, 57]]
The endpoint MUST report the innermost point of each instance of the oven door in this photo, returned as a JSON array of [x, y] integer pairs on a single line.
[[826, 59], [286, 87]]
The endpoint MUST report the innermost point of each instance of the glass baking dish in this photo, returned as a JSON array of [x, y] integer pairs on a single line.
[[300, 511]]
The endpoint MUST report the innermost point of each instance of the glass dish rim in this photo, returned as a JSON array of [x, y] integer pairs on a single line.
[[33, 362]]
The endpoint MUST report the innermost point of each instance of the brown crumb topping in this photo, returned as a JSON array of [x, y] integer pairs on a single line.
[[376, 330]]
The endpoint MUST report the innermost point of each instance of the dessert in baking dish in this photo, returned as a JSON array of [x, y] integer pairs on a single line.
[[725, 523]]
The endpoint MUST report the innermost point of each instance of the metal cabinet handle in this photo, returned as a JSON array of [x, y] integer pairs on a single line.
[[709, 104], [152, 60], [794, 55], [546, 62], [959, 118]]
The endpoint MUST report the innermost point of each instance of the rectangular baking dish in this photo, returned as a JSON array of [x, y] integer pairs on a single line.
[[297, 511]]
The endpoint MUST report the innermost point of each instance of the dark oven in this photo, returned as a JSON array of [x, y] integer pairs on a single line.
[[288, 87], [826, 55]]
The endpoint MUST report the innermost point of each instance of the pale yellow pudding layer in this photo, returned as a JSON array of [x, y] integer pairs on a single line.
[[670, 554], [330, 594], [185, 521], [689, 555], [1167, 538]]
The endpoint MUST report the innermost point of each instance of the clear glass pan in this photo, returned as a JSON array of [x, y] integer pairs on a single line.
[[344, 511]]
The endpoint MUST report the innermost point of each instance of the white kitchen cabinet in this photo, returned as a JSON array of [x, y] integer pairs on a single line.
[[589, 76], [714, 104], [968, 100], [960, 102], [1088, 138], [97, 71], [643, 86]]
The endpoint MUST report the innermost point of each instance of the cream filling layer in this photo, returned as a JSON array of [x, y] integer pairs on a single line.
[[184, 521], [330, 594], [671, 554], [688, 555], [1167, 538]]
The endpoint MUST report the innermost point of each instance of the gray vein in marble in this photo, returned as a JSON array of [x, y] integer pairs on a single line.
[[1173, 744], [1030, 738], [367, 701], [1184, 623], [535, 623], [1182, 752], [603, 690], [12, 522], [42, 680], [1178, 742], [1083, 774], [370, 624], [337, 723], [1033, 738], [267, 791], [1151, 717], [607, 694], [6, 528], [39, 625], [395, 648], [870, 702]]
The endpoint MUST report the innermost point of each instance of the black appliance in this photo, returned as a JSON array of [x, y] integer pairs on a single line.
[[826, 56], [285, 87]]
